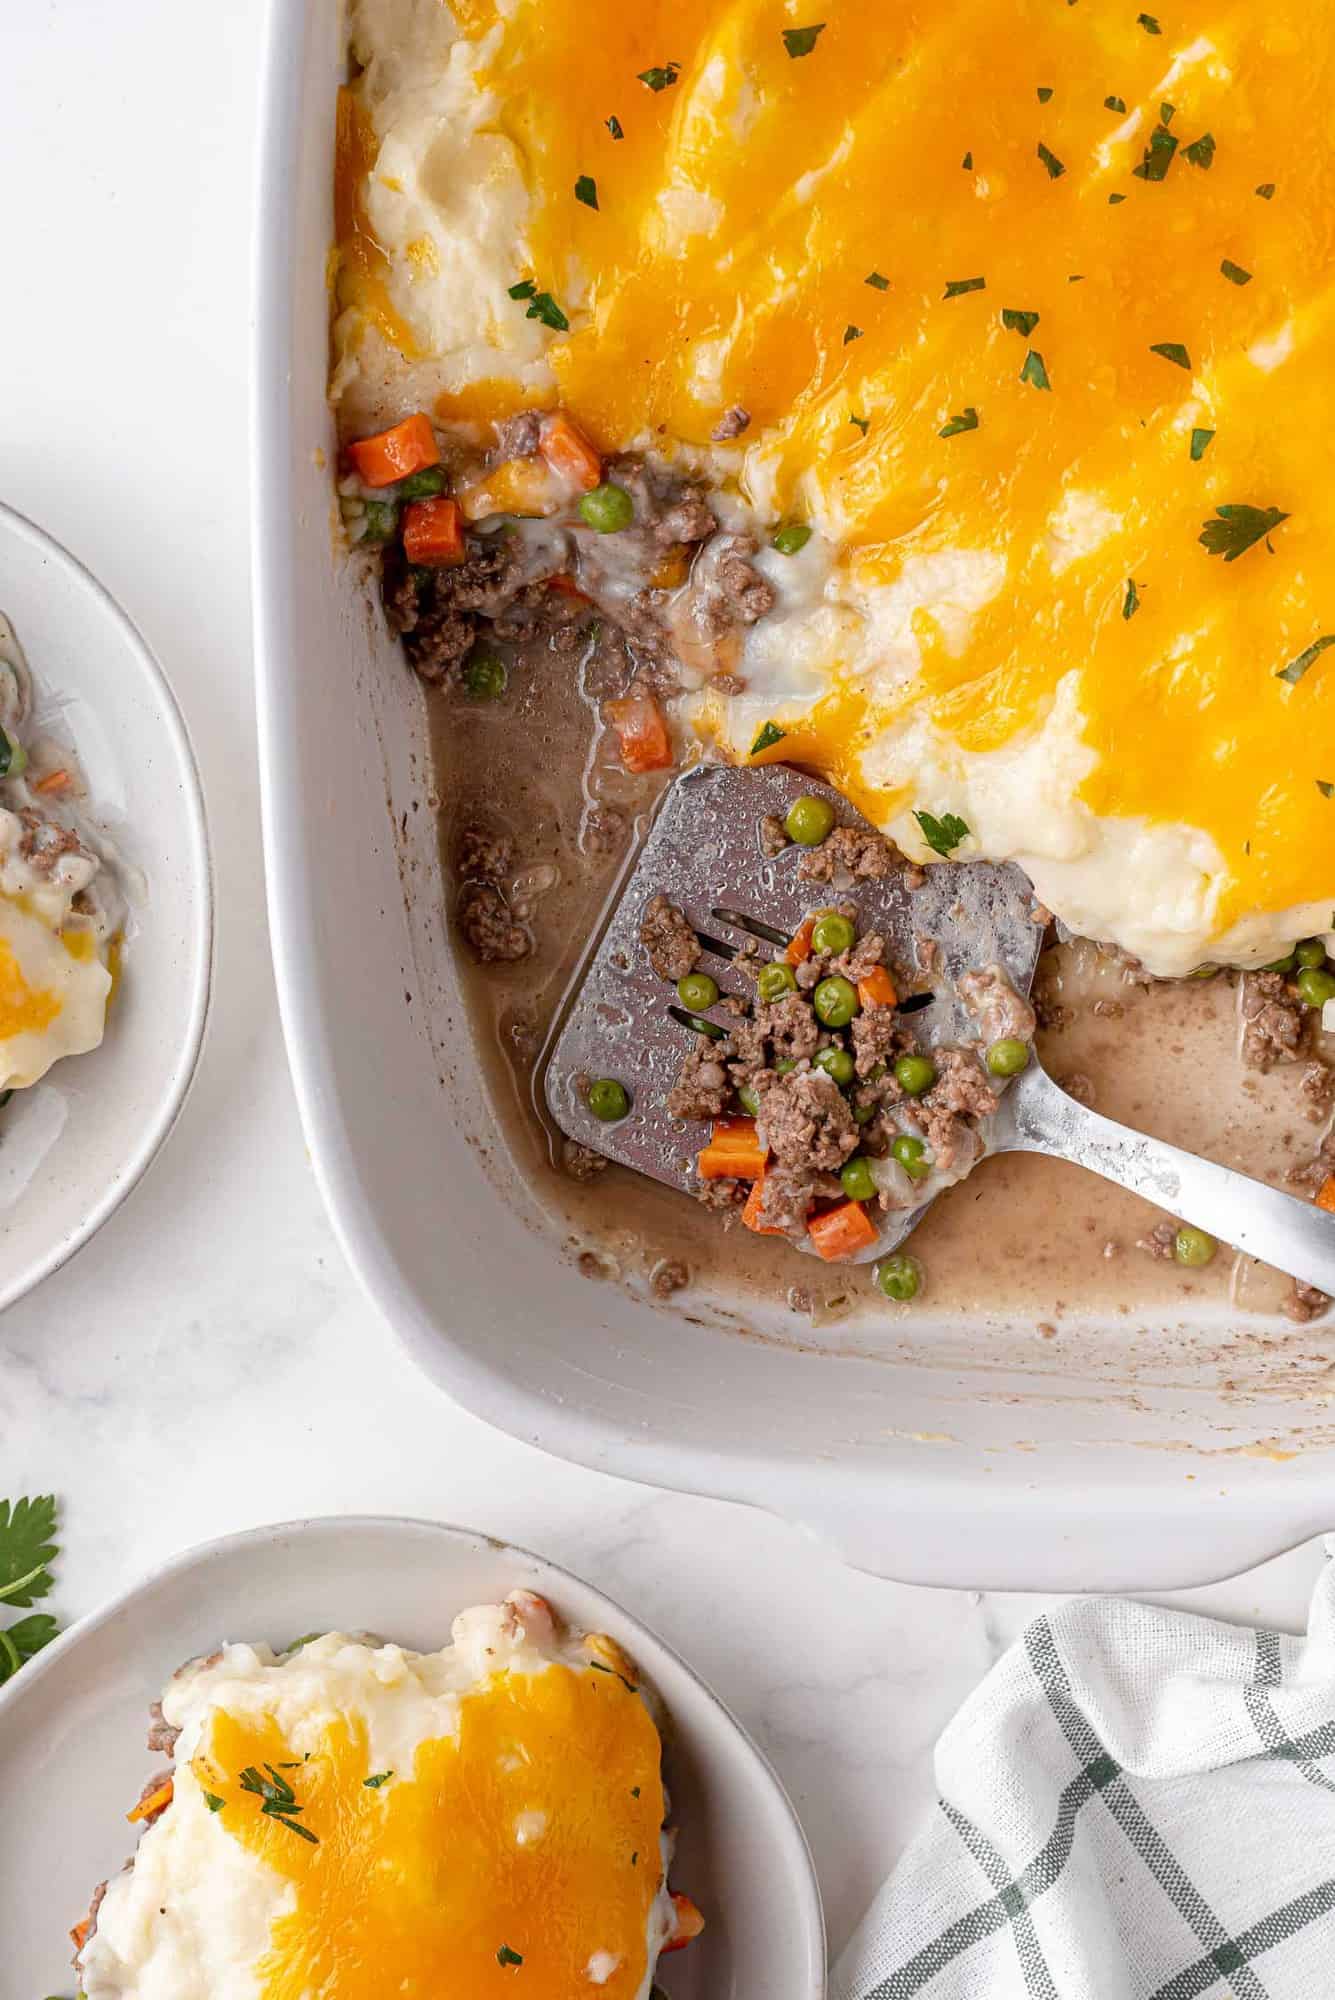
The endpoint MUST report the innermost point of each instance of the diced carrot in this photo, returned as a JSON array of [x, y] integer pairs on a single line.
[[155, 1803], [733, 1153], [751, 1212], [877, 989], [54, 781], [433, 532], [1326, 1195], [672, 570], [389, 455], [638, 721], [566, 586], [841, 1231], [799, 944], [688, 1921], [79, 1935], [569, 453]]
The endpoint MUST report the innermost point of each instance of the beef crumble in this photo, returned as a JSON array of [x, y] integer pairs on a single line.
[[491, 932], [855, 851], [1274, 1020], [673, 948]]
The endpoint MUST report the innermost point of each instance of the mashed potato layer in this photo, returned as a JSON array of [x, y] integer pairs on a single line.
[[353, 1820], [1029, 307]]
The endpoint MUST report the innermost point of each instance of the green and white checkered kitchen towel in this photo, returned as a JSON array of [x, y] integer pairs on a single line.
[[1135, 1805]]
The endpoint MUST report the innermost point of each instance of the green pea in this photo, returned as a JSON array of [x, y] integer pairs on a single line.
[[785, 1065], [833, 933], [863, 1114], [835, 1001], [856, 1176], [900, 1277], [381, 519], [808, 820], [792, 536], [749, 1099], [837, 1063], [608, 509], [1311, 952], [773, 981], [421, 485], [1008, 1056], [697, 991], [914, 1074], [909, 1152], [1284, 964], [1315, 988], [1193, 1246], [485, 677], [608, 1099]]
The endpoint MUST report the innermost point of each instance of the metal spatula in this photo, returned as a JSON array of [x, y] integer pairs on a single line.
[[703, 852]]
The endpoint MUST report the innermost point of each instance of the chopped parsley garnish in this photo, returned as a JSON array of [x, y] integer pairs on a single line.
[[1237, 529], [659, 79], [877, 282], [1235, 273], [1018, 322], [1113, 199], [967, 420], [378, 1778], [1149, 24], [213, 1802], [1167, 112], [1266, 190], [1295, 670], [1115, 104], [635, 1791], [1326, 789], [863, 423], [967, 163], [1131, 601], [586, 190], [601, 1667], [942, 835], [1201, 151], [852, 332], [1174, 351], [1035, 371], [767, 738], [525, 289], [26, 1553], [1051, 162], [543, 306], [1044, 92], [614, 126], [1200, 444], [279, 1799], [801, 41], [956, 287], [507, 1957], [1158, 156]]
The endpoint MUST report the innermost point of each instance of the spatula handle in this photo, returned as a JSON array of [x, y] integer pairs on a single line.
[[1293, 1235]]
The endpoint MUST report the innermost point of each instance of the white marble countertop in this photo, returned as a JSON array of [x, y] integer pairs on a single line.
[[207, 1364]]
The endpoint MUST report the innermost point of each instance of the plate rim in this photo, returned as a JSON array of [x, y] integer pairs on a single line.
[[157, 1129], [803, 1888]]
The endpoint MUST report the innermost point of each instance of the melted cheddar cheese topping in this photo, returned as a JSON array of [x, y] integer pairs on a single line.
[[525, 1845], [1047, 285]]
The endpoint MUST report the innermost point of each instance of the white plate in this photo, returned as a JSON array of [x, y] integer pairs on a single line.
[[72, 1756], [73, 1146]]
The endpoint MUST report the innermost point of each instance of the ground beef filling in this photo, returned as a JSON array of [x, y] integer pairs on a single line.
[[673, 580], [827, 1103]]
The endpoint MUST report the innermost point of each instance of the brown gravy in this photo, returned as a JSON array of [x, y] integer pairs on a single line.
[[1024, 1239]]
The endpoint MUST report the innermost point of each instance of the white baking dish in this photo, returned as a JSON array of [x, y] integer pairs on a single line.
[[943, 1453]]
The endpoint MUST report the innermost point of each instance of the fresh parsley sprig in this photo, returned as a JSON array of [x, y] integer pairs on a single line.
[[942, 835], [1238, 528], [279, 1800], [27, 1550]]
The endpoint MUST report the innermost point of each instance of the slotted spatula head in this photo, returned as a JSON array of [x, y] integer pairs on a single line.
[[704, 853]]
